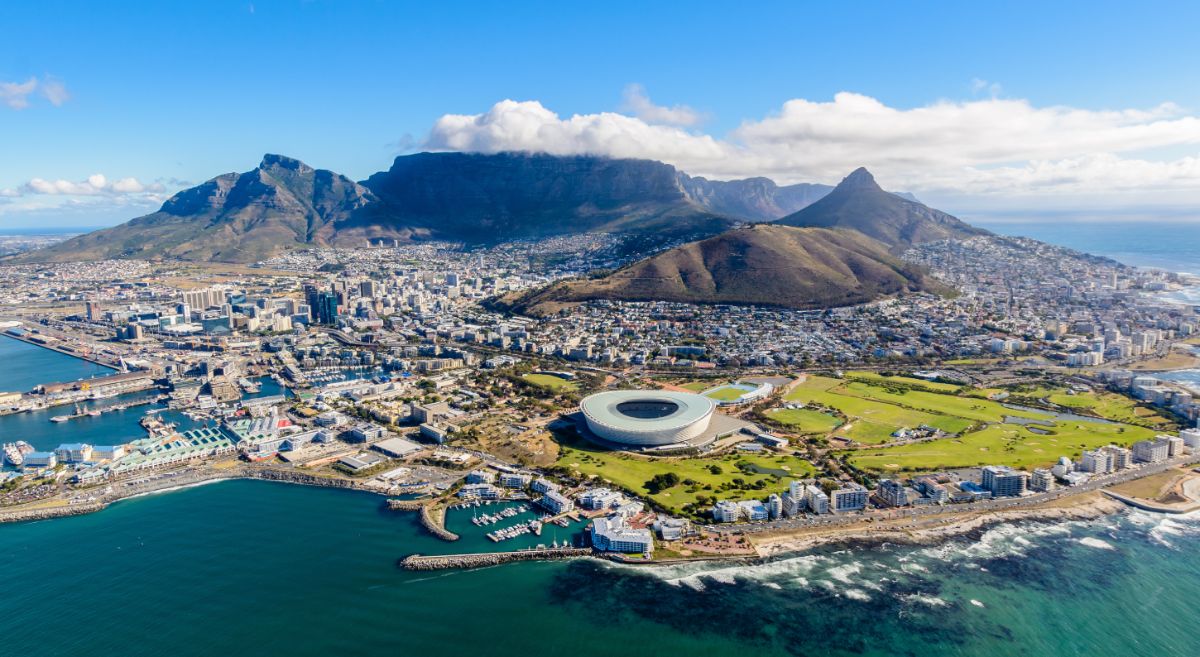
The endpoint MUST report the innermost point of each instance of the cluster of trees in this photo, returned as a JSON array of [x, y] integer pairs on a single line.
[[661, 482]]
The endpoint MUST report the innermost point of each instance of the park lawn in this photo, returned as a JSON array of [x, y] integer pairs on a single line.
[[697, 386], [905, 380], [555, 383], [972, 408], [631, 472], [805, 420], [725, 394], [999, 444]]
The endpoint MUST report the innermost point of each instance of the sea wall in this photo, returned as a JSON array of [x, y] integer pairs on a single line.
[[293, 477], [479, 560]]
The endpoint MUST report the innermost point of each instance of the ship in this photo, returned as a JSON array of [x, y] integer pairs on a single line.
[[14, 453]]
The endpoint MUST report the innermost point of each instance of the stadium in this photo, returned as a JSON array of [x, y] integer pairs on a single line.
[[648, 418]]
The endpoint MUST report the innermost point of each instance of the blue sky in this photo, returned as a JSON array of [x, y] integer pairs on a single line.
[[158, 94]]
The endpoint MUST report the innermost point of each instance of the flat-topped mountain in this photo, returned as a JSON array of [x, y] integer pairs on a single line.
[[860, 204], [762, 264], [235, 217], [487, 198]]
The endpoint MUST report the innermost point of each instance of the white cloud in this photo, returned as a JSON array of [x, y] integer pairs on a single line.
[[96, 184], [991, 146], [979, 86], [16, 94], [638, 103], [55, 91]]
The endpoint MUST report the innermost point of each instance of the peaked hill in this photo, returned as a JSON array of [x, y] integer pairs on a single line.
[[859, 203], [235, 217]]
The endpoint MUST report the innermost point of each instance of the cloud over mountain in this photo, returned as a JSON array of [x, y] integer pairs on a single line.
[[987, 146]]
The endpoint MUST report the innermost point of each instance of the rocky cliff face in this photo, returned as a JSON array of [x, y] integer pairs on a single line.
[[514, 195], [753, 199]]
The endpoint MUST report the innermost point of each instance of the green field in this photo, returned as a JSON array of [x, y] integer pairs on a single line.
[[1001, 444], [873, 419], [725, 394], [1110, 406], [697, 386], [631, 472], [870, 377], [556, 383], [876, 408], [805, 420]]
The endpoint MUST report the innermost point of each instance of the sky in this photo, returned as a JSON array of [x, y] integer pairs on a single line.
[[1019, 110]]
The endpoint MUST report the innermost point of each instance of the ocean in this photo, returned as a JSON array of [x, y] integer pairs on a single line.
[[1169, 245], [251, 567]]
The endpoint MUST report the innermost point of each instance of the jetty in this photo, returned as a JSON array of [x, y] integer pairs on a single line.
[[419, 562], [432, 516]]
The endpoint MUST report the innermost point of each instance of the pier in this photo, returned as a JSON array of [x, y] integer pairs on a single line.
[[419, 562], [60, 348]]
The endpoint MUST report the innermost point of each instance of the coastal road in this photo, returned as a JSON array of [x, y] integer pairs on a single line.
[[1096, 483]]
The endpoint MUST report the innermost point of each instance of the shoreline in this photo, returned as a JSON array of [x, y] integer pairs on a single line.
[[1087, 505]]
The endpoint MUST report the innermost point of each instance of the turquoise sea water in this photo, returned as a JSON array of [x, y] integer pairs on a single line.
[[271, 569], [255, 568]]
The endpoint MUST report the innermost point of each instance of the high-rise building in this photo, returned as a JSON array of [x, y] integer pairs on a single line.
[[1151, 451], [327, 308], [1003, 481], [892, 493], [851, 497]]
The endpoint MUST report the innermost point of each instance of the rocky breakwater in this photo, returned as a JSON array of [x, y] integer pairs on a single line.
[[294, 477], [25, 515], [449, 561], [432, 516]]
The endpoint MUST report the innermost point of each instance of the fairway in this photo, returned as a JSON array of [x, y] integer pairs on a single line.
[[555, 383], [872, 420], [905, 380], [1002, 444], [631, 472], [804, 420]]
